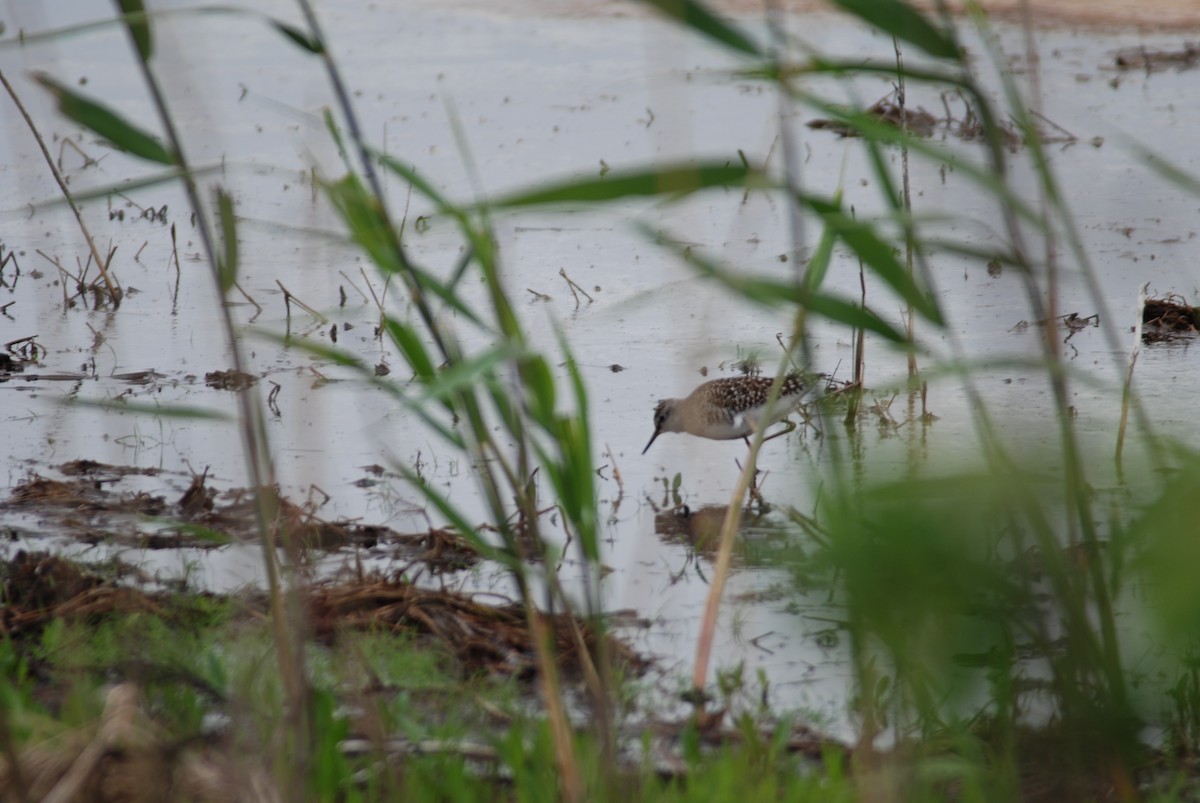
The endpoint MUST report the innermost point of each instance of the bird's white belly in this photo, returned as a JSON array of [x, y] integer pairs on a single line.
[[737, 426]]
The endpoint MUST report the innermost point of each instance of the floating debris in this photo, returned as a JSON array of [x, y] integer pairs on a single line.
[[886, 110], [1142, 58], [229, 380], [968, 126], [1168, 318]]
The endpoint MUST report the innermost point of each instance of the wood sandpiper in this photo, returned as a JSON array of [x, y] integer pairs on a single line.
[[724, 409]]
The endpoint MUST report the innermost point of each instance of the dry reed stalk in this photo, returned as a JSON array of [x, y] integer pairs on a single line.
[[729, 529], [1127, 392], [114, 292]]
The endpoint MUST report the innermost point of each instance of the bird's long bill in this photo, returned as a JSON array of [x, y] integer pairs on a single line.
[[652, 437]]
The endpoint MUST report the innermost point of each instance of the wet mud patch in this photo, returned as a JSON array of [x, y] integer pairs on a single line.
[[90, 505]]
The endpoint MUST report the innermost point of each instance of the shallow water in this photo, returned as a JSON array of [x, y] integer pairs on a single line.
[[541, 98]]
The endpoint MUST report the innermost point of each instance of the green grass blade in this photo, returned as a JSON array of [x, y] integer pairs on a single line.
[[127, 187], [414, 351], [818, 265], [773, 293], [536, 376], [1165, 168], [227, 263], [697, 17], [157, 410], [467, 373], [877, 254], [367, 373], [370, 228], [669, 180], [459, 522], [580, 498], [197, 531], [139, 26], [298, 37], [849, 313], [903, 22], [91, 115], [418, 182], [878, 131]]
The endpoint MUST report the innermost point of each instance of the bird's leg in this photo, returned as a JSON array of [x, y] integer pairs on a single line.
[[789, 425], [755, 494], [753, 478]]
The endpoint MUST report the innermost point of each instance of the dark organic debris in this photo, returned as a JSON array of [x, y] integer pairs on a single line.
[[139, 377], [10, 366], [82, 495], [968, 126], [229, 380], [86, 507], [484, 637], [886, 110], [22, 351], [39, 588], [1141, 58], [917, 121], [1168, 318], [197, 499], [442, 550], [84, 468]]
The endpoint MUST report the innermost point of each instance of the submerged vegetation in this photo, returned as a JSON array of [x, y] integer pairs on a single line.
[[987, 607]]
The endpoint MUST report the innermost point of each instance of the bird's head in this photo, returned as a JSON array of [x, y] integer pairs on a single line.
[[664, 420]]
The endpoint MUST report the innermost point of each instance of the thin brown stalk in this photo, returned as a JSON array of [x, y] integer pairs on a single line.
[[285, 615], [733, 515], [1127, 392], [855, 398], [907, 197], [1105, 644], [412, 282], [17, 785], [576, 290], [178, 269], [712, 604], [570, 780], [289, 297], [258, 307], [114, 292]]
